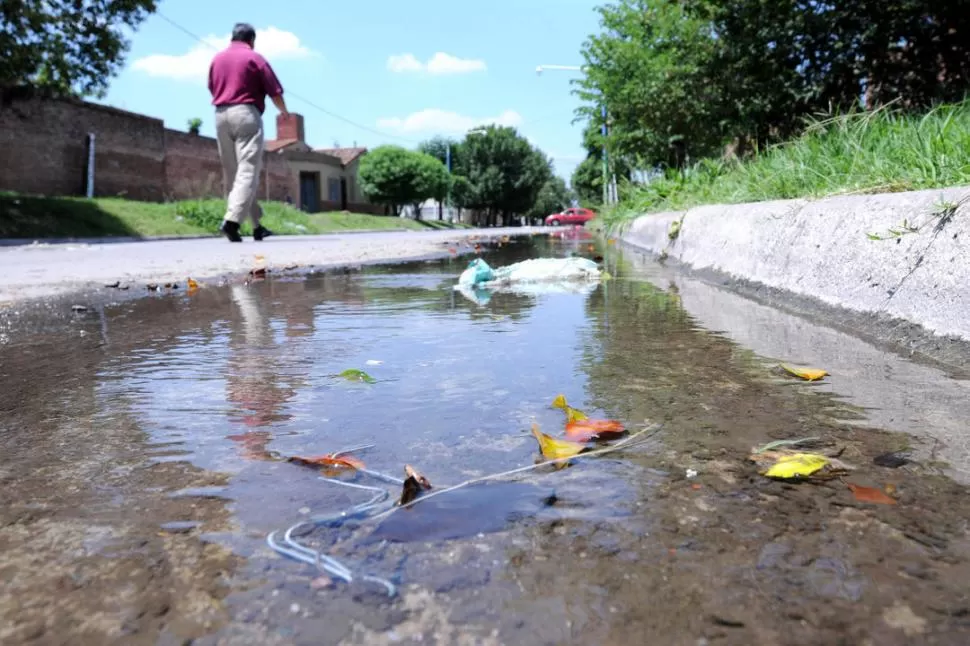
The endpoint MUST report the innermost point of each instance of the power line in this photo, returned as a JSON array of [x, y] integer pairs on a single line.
[[289, 93]]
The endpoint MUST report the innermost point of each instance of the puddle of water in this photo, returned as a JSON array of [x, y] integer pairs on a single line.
[[152, 421]]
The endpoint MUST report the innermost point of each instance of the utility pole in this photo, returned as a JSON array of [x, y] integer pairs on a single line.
[[606, 165], [448, 166]]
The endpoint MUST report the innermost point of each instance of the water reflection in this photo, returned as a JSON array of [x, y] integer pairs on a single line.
[[253, 382]]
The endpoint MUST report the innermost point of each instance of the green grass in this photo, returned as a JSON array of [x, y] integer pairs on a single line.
[[68, 217], [874, 152]]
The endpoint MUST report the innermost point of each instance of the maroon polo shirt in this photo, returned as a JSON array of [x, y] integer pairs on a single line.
[[238, 75]]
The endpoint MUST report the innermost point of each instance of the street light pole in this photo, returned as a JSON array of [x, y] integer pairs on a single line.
[[608, 191]]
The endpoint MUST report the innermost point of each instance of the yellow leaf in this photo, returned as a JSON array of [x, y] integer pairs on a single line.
[[192, 284], [808, 374], [572, 414], [799, 464], [575, 415], [554, 449]]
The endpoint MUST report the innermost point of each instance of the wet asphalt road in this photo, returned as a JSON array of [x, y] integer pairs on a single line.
[[45, 269]]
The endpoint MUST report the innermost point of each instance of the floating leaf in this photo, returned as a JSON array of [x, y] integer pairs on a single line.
[[870, 494], [891, 460], [554, 449], [572, 414], [808, 374], [797, 465], [328, 460], [192, 284], [414, 485], [357, 375], [587, 429]]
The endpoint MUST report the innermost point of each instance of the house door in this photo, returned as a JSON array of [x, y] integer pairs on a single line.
[[310, 192], [343, 193]]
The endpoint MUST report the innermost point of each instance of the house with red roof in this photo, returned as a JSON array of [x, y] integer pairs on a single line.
[[327, 177]]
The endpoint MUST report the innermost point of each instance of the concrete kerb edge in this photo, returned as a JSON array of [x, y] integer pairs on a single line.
[[947, 349]]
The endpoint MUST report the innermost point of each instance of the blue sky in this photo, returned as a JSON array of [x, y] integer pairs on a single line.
[[407, 70]]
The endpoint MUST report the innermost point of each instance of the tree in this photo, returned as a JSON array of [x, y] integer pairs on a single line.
[[396, 176], [587, 178], [461, 192], [683, 78], [195, 124], [445, 150], [554, 196], [438, 147], [650, 69], [65, 47], [505, 173]]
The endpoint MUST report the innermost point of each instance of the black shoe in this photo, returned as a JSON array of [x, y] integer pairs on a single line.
[[231, 231], [261, 232]]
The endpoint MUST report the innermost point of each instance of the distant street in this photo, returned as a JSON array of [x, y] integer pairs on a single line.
[[45, 269]]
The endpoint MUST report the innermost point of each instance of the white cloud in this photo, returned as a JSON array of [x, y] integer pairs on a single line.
[[439, 64], [443, 121], [442, 63], [275, 44], [404, 63]]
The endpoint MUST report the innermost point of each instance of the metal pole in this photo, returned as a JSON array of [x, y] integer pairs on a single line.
[[89, 189], [605, 132], [448, 166]]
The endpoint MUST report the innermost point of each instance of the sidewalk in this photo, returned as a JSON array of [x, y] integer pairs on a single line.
[[45, 269]]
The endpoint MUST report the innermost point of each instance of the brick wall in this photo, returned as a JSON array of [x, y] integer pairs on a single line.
[[192, 166], [43, 150]]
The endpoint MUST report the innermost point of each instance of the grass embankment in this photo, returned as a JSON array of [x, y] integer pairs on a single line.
[[877, 152], [67, 217]]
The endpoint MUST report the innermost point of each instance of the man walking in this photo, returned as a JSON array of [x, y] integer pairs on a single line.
[[239, 81]]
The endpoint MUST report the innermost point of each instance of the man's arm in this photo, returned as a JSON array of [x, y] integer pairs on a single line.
[[273, 88], [280, 104]]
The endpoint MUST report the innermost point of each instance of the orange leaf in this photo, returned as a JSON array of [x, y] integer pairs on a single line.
[[328, 460], [870, 494], [593, 428]]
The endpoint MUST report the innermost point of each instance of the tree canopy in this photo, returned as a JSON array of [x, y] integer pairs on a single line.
[[395, 176], [683, 78], [65, 47], [502, 173]]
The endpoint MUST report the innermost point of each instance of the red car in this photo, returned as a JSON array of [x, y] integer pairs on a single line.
[[570, 216]]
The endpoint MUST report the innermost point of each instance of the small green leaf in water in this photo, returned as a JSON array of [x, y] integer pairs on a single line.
[[357, 375]]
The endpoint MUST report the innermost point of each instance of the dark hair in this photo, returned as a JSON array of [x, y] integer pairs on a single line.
[[243, 32]]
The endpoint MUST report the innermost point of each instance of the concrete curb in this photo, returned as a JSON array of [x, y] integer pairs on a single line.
[[918, 271]]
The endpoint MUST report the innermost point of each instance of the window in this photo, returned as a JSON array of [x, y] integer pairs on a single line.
[[333, 189]]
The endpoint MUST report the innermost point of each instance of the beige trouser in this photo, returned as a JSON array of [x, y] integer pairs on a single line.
[[239, 131]]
